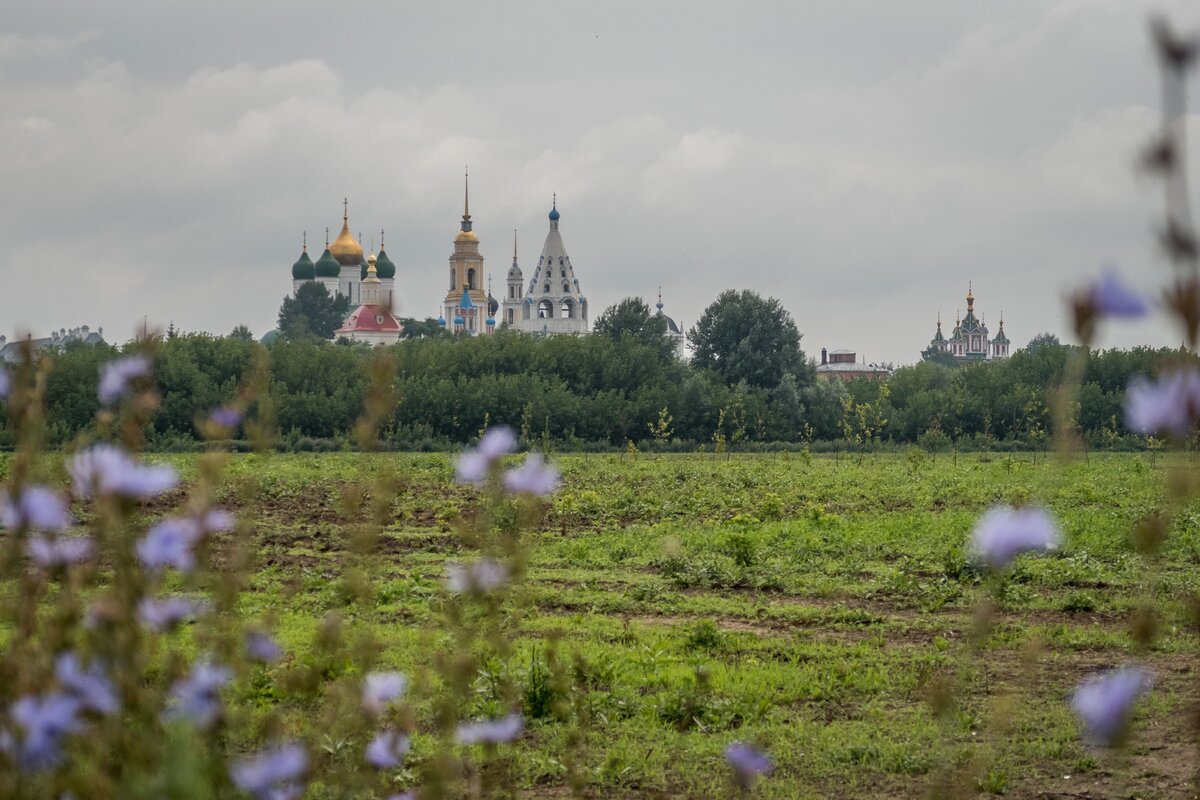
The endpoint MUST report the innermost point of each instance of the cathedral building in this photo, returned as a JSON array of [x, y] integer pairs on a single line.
[[552, 302], [969, 342], [368, 282]]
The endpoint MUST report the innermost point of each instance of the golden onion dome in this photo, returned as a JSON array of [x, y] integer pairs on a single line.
[[346, 249], [466, 236]]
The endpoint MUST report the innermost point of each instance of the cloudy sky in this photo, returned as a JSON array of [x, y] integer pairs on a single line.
[[862, 161]]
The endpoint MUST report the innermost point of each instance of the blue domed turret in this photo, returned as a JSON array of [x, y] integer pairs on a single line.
[[441, 320], [554, 214], [459, 321]]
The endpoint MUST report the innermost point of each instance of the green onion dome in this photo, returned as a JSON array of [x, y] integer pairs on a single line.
[[384, 267], [327, 266], [303, 269]]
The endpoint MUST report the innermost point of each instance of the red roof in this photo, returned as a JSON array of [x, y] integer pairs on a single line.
[[370, 318]]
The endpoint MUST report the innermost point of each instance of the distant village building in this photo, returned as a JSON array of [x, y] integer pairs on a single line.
[[844, 364], [10, 351], [970, 342]]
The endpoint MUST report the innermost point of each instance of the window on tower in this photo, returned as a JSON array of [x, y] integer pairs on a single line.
[[471, 278], [545, 310], [567, 308]]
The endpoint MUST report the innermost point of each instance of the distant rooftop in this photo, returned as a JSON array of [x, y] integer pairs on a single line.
[[10, 351]]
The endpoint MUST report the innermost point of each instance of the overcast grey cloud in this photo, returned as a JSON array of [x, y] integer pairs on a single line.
[[860, 161]]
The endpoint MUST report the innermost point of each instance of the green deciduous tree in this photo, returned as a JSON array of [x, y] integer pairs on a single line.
[[633, 318], [746, 337], [312, 313]]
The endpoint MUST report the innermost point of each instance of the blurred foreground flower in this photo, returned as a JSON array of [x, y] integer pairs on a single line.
[[491, 731], [169, 544], [107, 469], [198, 696], [534, 477], [1111, 297], [58, 551], [38, 508], [262, 648], [1003, 533], [1104, 703], [747, 762], [163, 615], [273, 773], [381, 688], [43, 722], [473, 466], [91, 686], [226, 417], [386, 749], [481, 577], [116, 375], [5, 383], [1168, 405]]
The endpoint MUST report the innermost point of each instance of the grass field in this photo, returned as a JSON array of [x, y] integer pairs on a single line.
[[807, 606]]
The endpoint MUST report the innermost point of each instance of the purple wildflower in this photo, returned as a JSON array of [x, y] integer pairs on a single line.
[[107, 469], [1003, 533], [405, 796], [169, 544], [491, 731], [1111, 297], [5, 383], [381, 688], [273, 773], [38, 508], [216, 520], [163, 615], [57, 551], [198, 696], [1104, 703], [115, 376], [226, 417], [1169, 405], [386, 749], [747, 762], [473, 466], [534, 477], [91, 686], [262, 648], [477, 577], [44, 722]]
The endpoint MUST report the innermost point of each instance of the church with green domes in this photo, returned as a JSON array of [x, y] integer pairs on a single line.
[[970, 341]]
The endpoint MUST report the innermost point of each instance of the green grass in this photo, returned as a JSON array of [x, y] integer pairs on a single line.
[[802, 605]]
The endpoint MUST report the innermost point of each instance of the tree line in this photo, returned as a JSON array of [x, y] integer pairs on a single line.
[[747, 384]]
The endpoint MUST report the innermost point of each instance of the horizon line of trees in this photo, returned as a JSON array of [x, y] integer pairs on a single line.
[[747, 384]]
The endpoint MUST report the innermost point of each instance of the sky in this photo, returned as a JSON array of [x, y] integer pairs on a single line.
[[861, 161]]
